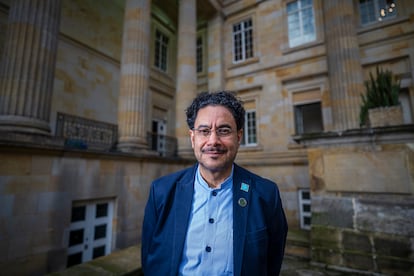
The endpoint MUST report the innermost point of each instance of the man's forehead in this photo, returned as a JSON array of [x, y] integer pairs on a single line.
[[215, 113]]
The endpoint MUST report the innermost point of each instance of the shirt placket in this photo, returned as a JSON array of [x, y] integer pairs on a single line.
[[211, 224]]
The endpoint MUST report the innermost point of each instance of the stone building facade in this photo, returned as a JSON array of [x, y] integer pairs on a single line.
[[92, 101]]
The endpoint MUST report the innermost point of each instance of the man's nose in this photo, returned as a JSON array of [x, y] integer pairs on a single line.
[[213, 138]]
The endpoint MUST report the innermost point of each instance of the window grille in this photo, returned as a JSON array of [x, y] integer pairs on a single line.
[[371, 11], [249, 134], [243, 40], [305, 208], [161, 51]]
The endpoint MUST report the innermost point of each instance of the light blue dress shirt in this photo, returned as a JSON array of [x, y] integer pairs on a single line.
[[208, 249]]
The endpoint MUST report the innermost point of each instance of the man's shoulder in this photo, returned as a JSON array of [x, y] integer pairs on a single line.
[[264, 186], [254, 177]]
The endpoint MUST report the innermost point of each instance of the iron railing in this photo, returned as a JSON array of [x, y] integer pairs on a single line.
[[83, 133]]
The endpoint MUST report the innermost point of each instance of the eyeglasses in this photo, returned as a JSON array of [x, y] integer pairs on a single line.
[[220, 132]]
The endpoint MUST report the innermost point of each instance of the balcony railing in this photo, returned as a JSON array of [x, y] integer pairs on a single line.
[[82, 133]]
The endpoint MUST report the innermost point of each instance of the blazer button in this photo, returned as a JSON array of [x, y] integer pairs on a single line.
[[211, 220], [208, 248]]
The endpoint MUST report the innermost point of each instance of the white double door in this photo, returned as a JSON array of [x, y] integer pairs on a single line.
[[90, 232]]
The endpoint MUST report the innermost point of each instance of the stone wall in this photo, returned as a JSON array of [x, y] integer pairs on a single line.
[[362, 202], [39, 182]]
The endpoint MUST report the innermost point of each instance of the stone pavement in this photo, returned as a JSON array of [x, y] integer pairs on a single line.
[[299, 267]]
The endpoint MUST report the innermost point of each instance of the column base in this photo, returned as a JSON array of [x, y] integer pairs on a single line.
[[13, 123]]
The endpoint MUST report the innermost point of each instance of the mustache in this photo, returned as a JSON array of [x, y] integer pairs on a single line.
[[214, 150]]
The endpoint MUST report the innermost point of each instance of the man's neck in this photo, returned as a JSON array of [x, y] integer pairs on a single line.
[[214, 179]]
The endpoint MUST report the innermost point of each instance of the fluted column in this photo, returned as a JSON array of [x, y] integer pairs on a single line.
[[215, 53], [134, 95], [186, 71], [345, 71], [28, 64]]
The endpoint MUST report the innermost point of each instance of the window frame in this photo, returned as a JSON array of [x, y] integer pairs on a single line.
[[200, 54], [406, 104], [304, 38], [245, 142], [299, 124], [376, 9], [159, 132], [246, 33], [302, 213], [161, 49]]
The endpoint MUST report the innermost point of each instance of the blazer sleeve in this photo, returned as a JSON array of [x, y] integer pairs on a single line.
[[148, 226], [277, 238]]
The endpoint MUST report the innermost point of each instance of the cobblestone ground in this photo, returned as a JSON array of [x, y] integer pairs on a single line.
[[298, 267]]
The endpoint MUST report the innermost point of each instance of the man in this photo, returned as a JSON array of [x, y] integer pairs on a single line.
[[214, 218]]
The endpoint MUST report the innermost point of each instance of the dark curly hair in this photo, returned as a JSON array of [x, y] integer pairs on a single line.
[[227, 99]]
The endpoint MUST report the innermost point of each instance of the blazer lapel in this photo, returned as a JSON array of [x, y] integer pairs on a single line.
[[182, 207], [241, 203]]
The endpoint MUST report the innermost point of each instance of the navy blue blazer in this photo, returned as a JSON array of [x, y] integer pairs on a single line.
[[259, 228]]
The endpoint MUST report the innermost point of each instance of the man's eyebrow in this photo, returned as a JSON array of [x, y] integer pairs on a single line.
[[224, 125], [199, 126], [208, 126]]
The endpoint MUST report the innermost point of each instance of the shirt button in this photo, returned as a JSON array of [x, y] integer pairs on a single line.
[[211, 220], [214, 193], [208, 248]]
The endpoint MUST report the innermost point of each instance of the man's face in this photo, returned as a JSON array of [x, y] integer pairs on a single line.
[[215, 152]]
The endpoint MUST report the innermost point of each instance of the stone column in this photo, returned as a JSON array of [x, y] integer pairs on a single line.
[[28, 64], [344, 67], [134, 95], [186, 88], [215, 53]]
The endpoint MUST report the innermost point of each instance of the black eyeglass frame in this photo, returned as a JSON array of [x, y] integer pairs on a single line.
[[220, 132]]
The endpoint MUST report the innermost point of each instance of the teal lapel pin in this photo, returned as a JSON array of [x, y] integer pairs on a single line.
[[244, 187]]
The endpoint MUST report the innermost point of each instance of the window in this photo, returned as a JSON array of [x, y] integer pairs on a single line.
[[406, 106], [90, 231], [371, 11], [301, 22], [161, 51], [305, 208], [243, 40], [308, 118], [249, 134], [158, 141], [199, 54]]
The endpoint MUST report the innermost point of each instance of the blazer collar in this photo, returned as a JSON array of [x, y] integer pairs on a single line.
[[241, 202], [183, 200]]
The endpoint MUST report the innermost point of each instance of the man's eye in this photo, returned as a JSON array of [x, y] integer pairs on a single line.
[[224, 131], [205, 132]]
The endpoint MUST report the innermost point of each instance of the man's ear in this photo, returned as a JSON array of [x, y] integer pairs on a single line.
[[191, 132], [239, 135]]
